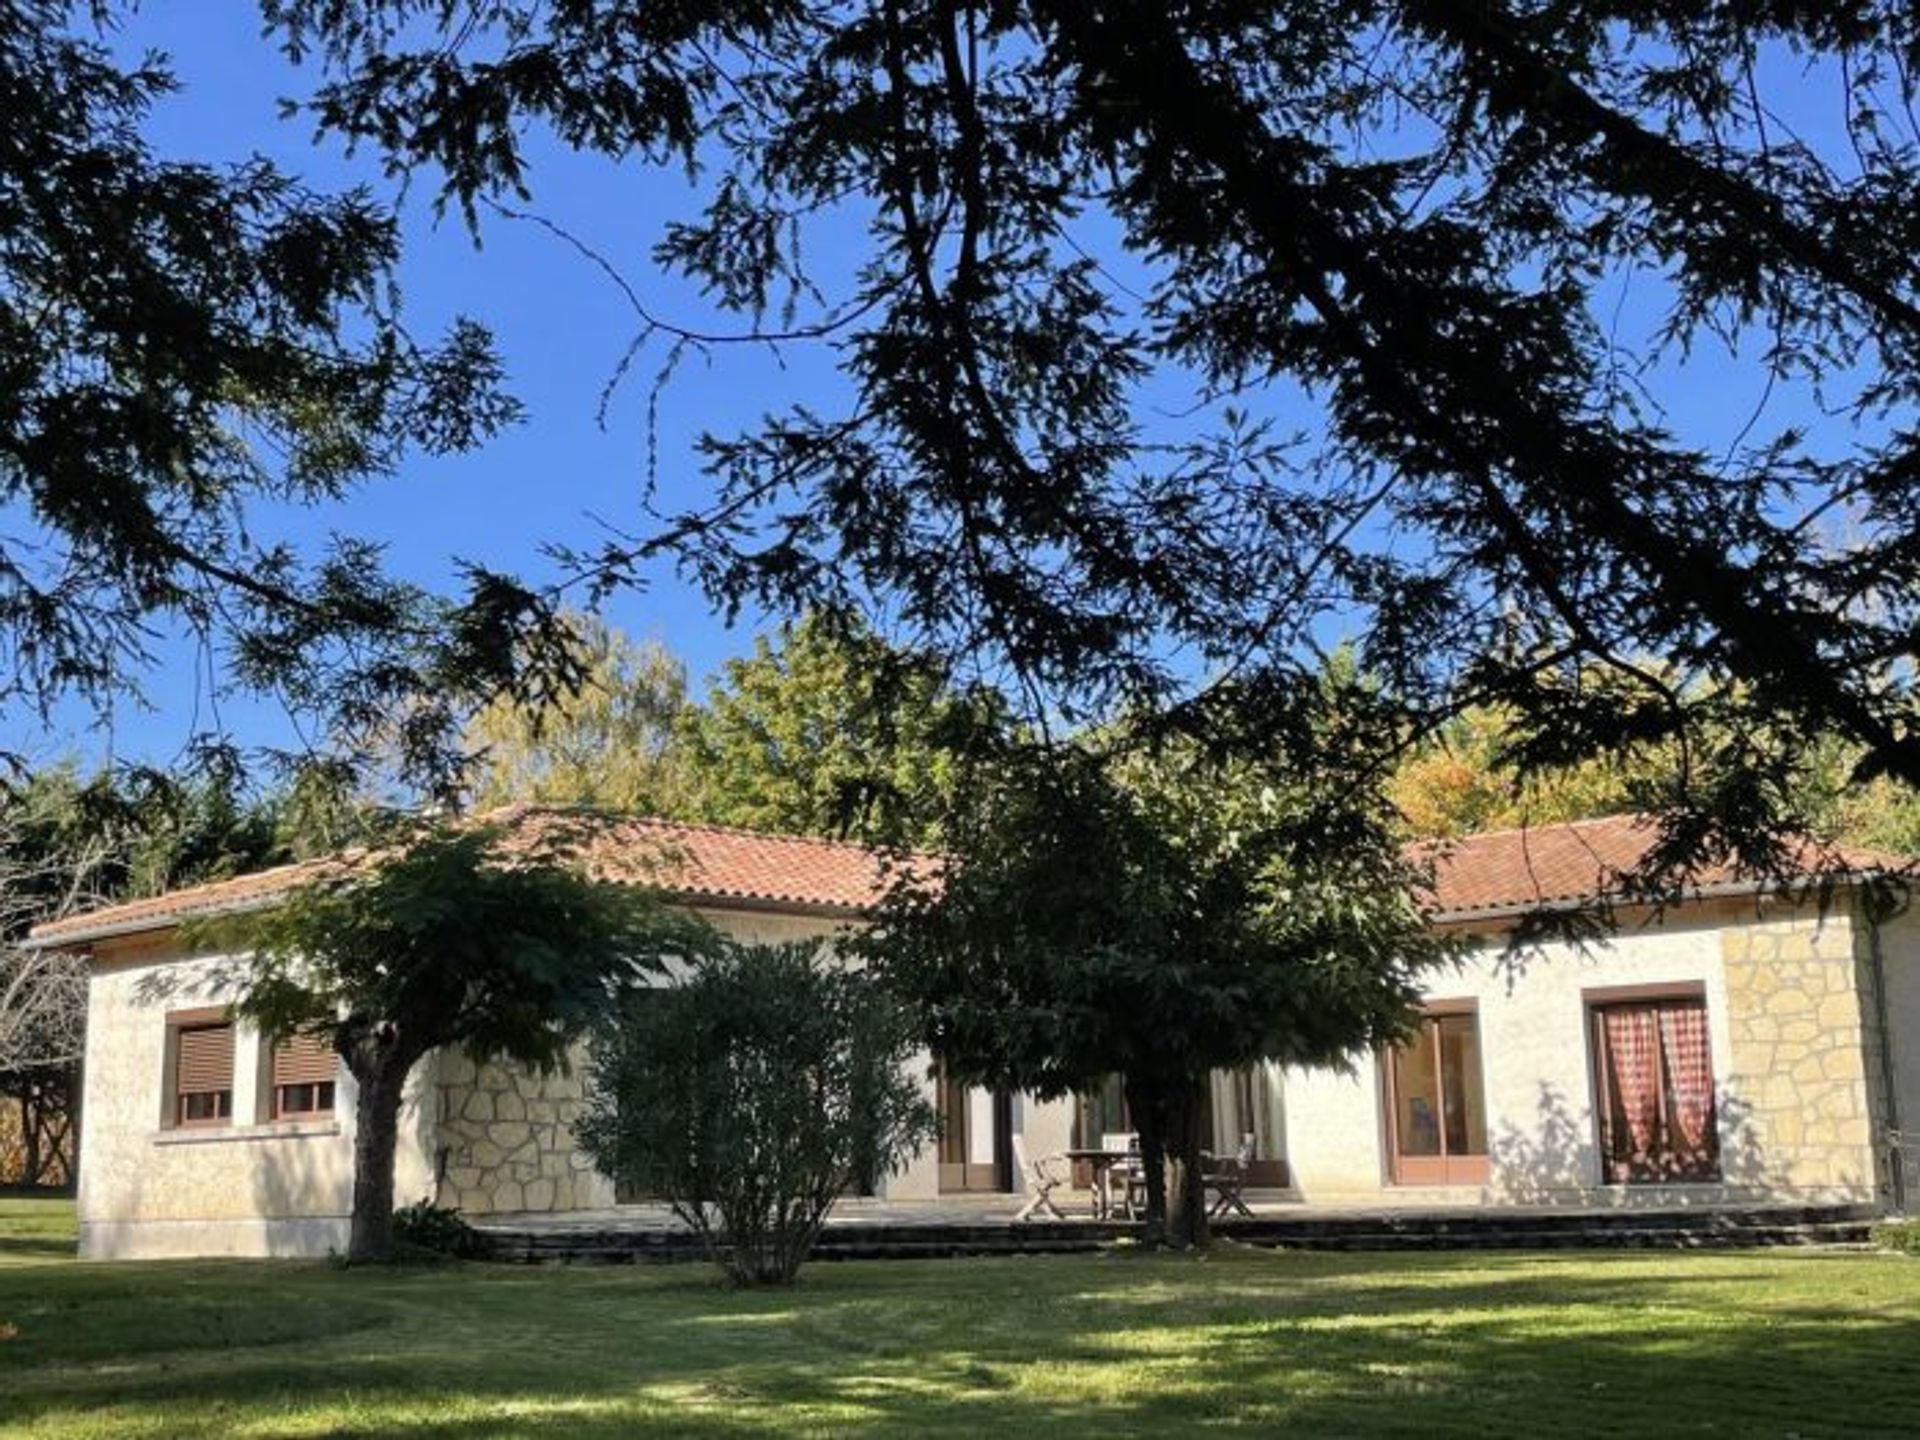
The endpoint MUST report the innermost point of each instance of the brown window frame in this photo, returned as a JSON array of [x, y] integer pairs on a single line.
[[1443, 1169], [1613, 1171], [307, 1077], [181, 1024]]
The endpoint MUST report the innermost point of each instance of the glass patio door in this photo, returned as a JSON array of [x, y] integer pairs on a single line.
[[1436, 1106], [976, 1136]]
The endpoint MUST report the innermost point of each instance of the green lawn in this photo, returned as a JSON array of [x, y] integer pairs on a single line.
[[34, 1230], [1736, 1344]]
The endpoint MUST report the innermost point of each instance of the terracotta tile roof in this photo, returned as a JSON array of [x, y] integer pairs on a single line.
[[699, 863], [1583, 860], [1499, 871]]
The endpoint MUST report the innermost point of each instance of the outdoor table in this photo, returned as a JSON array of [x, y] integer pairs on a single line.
[[1102, 1162]]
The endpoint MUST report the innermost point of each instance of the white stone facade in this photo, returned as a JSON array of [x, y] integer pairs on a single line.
[[248, 1187], [1809, 1089], [1798, 1076]]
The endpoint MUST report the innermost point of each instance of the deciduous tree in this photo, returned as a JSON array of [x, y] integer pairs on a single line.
[[612, 742], [1163, 920], [467, 938], [827, 730]]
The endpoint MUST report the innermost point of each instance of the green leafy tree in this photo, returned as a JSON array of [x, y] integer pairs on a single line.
[[826, 730], [752, 1093], [1462, 249], [1467, 777], [1162, 919], [612, 742], [462, 938]]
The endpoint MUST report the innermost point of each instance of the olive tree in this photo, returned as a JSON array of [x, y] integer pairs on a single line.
[[750, 1094]]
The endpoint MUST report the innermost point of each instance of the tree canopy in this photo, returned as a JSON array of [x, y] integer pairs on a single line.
[[1161, 918], [824, 729], [1376, 260], [827, 730], [614, 740], [1464, 777]]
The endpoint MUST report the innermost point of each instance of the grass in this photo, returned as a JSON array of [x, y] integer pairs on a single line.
[[33, 1228], [1735, 1344]]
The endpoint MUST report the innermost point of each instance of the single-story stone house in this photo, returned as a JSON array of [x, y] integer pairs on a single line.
[[1737, 1047]]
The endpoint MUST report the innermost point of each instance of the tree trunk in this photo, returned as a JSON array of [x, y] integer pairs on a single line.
[[76, 1089], [29, 1138], [376, 1135], [1147, 1108], [1186, 1185]]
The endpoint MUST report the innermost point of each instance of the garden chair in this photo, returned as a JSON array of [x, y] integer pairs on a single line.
[[1041, 1178], [1226, 1176], [1128, 1177]]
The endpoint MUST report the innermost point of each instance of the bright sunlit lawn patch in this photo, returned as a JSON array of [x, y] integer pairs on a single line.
[[1736, 1344]]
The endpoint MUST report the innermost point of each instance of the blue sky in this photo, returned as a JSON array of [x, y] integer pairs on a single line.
[[562, 327]]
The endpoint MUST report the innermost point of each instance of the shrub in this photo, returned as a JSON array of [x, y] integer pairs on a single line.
[[750, 1095], [436, 1229], [1900, 1235]]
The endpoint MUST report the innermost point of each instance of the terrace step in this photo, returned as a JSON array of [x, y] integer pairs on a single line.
[[557, 1242]]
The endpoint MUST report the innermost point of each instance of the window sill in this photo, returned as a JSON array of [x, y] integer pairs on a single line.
[[1628, 1186], [224, 1134]]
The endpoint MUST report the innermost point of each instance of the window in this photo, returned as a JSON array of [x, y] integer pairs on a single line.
[[1100, 1111], [1653, 1088], [302, 1081], [1436, 1107], [1247, 1102], [202, 1086]]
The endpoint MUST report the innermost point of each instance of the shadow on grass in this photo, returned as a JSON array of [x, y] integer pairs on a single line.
[[36, 1247], [35, 1225], [1352, 1345]]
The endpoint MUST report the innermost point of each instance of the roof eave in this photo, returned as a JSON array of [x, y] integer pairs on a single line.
[[83, 936], [748, 904], [146, 924], [1719, 890]]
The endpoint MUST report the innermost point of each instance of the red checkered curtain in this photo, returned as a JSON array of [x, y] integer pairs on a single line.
[[1689, 1066], [1633, 1061]]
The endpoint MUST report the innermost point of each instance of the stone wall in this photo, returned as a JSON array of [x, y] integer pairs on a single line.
[[506, 1140], [1804, 1064], [505, 1136]]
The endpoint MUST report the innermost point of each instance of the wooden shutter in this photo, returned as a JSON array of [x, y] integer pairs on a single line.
[[205, 1059], [304, 1060]]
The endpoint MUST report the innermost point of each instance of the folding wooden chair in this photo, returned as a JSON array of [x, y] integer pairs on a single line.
[[1128, 1176], [1041, 1178], [1226, 1177]]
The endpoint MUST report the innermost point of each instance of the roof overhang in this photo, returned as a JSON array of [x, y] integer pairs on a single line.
[[83, 936], [1720, 890]]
